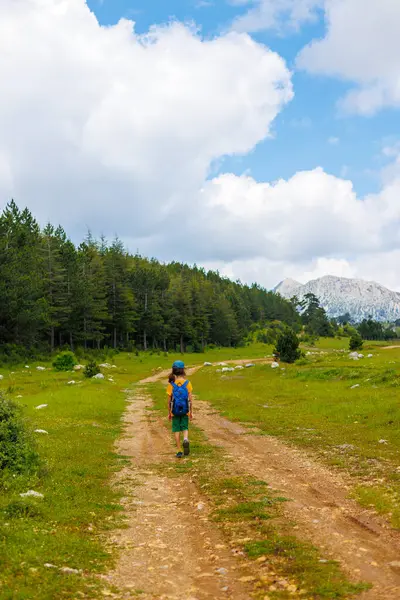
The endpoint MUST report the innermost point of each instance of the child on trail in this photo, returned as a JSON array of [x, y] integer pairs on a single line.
[[179, 393]]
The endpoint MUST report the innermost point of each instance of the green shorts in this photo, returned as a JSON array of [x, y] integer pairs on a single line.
[[180, 423]]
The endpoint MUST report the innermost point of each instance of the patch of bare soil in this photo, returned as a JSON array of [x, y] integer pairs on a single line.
[[365, 545], [169, 549]]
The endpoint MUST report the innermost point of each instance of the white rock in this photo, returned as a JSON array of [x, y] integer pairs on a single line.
[[353, 387], [382, 442], [50, 566], [227, 369], [99, 376], [239, 367], [208, 364], [40, 368], [274, 365], [105, 366], [32, 494], [41, 406], [1, 377], [370, 356], [113, 366], [79, 367], [71, 382], [361, 356], [111, 379], [19, 396], [69, 570], [200, 506], [353, 355], [27, 367], [41, 431], [250, 365], [222, 364]]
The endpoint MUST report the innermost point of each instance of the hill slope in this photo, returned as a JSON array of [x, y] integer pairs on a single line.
[[339, 295]]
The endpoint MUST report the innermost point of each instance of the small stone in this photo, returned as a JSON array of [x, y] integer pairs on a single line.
[[222, 571], [32, 494], [41, 406], [247, 579], [382, 442], [41, 431], [262, 559], [353, 387], [200, 506], [99, 376], [40, 368]]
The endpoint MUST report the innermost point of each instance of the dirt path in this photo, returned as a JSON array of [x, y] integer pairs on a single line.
[[362, 541], [169, 550], [390, 347]]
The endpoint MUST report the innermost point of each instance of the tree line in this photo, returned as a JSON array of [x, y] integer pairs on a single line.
[[95, 294]]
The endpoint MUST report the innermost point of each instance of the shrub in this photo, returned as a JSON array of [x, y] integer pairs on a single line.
[[65, 361], [91, 369], [17, 450], [356, 342], [287, 346]]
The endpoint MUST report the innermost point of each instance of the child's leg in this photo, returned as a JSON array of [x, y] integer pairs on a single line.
[[178, 439], [186, 435]]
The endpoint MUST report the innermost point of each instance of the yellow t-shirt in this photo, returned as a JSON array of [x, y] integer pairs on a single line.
[[179, 381]]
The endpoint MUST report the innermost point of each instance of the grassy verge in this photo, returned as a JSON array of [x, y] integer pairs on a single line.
[[347, 411], [250, 516]]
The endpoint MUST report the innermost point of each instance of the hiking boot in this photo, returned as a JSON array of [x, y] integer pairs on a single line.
[[179, 454], [186, 447]]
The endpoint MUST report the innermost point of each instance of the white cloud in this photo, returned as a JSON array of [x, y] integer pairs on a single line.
[[276, 14], [106, 128], [333, 141], [361, 45]]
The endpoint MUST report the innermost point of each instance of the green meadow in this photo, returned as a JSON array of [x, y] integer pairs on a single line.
[[311, 404]]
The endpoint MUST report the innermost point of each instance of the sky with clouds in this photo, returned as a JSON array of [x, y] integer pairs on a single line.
[[257, 137]]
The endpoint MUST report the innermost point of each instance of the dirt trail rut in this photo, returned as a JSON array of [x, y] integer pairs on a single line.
[[359, 539], [169, 550]]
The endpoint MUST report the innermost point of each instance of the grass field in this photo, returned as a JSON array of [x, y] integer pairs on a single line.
[[310, 404], [315, 404]]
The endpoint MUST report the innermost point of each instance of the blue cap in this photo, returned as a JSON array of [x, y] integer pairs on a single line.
[[178, 364]]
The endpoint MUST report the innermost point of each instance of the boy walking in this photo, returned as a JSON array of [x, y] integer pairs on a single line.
[[179, 393]]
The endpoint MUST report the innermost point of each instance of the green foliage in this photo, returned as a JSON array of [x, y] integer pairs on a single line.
[[373, 330], [314, 318], [65, 361], [356, 342], [95, 295], [17, 451], [287, 346], [91, 369]]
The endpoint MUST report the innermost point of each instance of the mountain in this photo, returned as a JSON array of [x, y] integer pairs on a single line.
[[339, 295]]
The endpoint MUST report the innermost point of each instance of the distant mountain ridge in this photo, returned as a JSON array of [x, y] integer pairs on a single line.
[[339, 295]]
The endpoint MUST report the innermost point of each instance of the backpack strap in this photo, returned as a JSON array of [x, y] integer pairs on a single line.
[[185, 384]]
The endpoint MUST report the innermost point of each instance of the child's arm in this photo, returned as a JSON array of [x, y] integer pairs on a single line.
[[170, 407], [191, 405]]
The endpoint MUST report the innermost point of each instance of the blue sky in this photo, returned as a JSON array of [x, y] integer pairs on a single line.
[[304, 132], [269, 130]]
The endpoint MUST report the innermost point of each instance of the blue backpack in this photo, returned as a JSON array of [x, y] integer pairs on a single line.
[[180, 395]]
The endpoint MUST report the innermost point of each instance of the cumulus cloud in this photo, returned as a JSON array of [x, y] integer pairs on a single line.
[[311, 225], [103, 127], [106, 128], [276, 14], [361, 45]]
